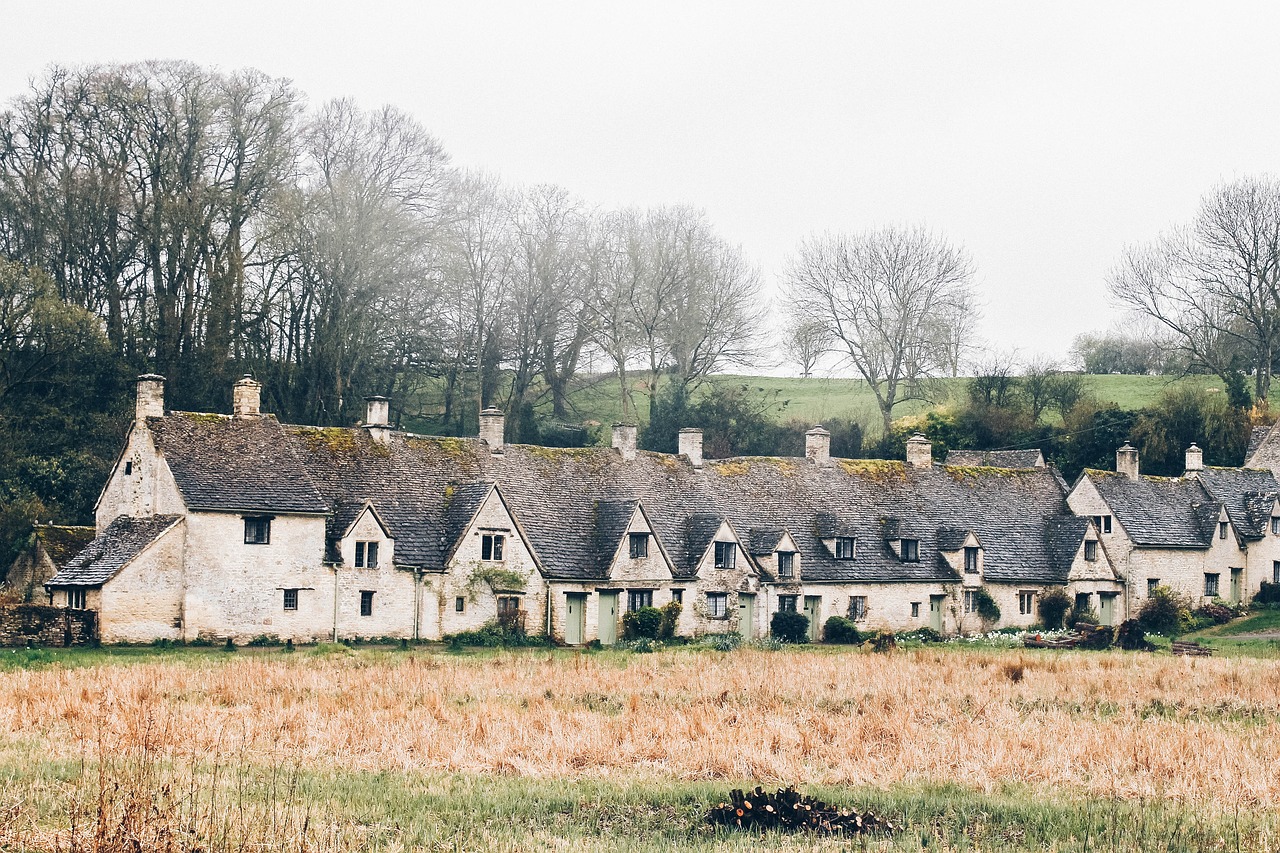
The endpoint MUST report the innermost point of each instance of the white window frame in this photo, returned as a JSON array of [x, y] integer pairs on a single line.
[[1026, 602], [366, 555], [643, 596], [726, 555], [492, 546], [77, 598], [290, 600]]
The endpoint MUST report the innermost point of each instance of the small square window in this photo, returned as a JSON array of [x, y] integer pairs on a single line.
[[639, 545], [366, 602], [459, 604], [290, 599], [726, 555], [910, 550], [1090, 550], [786, 564], [787, 603], [491, 547], [637, 598], [857, 607], [1152, 583], [846, 547], [508, 606], [1211, 585], [915, 610], [677, 595], [970, 560], [76, 598], [717, 605], [257, 531]]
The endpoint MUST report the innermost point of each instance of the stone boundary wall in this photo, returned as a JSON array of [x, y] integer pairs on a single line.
[[44, 625]]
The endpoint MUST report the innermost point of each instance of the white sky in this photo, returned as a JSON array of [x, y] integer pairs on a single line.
[[1042, 136]]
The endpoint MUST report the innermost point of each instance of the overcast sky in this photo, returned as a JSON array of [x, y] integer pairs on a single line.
[[1043, 137]]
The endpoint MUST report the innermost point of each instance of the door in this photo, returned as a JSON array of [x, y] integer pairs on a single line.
[[1236, 576], [575, 612], [608, 618], [935, 612], [746, 615], [813, 610], [1106, 609]]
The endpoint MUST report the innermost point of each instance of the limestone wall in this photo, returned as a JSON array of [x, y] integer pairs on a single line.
[[45, 625]]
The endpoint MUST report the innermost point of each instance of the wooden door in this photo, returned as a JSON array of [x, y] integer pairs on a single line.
[[575, 613], [1236, 575], [813, 610], [746, 615], [1107, 609], [608, 618], [935, 612]]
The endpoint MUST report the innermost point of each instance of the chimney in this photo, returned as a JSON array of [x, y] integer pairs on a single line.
[[492, 426], [1127, 461], [817, 446], [691, 445], [919, 452], [624, 440], [246, 398], [1195, 458], [150, 396], [376, 419]]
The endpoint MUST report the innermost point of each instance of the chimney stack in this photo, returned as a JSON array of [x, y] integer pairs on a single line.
[[817, 446], [493, 425], [691, 445], [246, 398], [624, 440], [1195, 458], [919, 452], [377, 420], [150, 403], [1127, 461]]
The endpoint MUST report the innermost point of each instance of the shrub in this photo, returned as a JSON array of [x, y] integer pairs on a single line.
[[1132, 638], [988, 610], [1268, 593], [1163, 612], [1086, 615], [670, 618], [921, 635], [493, 635], [789, 626], [644, 622], [723, 642], [841, 630], [1054, 605], [1214, 613]]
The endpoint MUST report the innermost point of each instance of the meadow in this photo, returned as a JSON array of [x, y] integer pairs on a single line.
[[338, 749]]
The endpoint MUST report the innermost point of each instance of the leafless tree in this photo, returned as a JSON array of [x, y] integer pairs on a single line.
[[804, 340], [890, 299]]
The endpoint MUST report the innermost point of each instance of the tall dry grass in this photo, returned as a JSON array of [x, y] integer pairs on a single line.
[[1108, 724]]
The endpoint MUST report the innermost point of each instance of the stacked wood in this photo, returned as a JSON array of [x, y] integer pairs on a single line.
[[1191, 649], [790, 811], [1068, 641]]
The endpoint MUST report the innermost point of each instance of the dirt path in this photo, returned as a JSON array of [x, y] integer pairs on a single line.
[[1261, 635]]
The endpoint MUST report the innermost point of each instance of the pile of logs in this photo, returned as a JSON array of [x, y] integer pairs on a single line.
[[789, 810], [1069, 641], [1192, 649]]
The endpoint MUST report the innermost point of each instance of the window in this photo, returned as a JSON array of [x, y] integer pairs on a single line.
[[1090, 550], [677, 595], [366, 602], [1211, 585], [1275, 571], [1103, 523], [1275, 525], [857, 607], [257, 531], [639, 545], [970, 601], [508, 606], [637, 598], [491, 547], [911, 551], [915, 610], [76, 598], [970, 560], [1222, 530], [459, 604], [1152, 583], [1026, 602], [846, 546], [787, 603], [366, 555], [128, 468], [726, 555], [717, 605], [786, 564], [290, 599]]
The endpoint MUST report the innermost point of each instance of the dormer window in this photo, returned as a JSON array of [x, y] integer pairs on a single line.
[[491, 547], [786, 564], [970, 559], [911, 550], [726, 555], [1222, 530], [1090, 550], [845, 547], [1103, 523], [366, 555], [638, 545]]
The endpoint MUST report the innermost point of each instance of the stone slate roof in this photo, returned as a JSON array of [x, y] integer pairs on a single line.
[[996, 458], [1063, 536], [108, 553], [951, 538], [221, 463], [1264, 449], [62, 542], [1256, 437], [1160, 512], [1247, 493], [612, 519], [763, 541]]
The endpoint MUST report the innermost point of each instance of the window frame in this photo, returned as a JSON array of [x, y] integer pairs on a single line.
[[1222, 530], [845, 547], [677, 596], [290, 600], [644, 596], [1152, 583], [1275, 571], [726, 555], [366, 602], [1275, 525], [459, 604], [909, 550], [788, 603], [492, 547], [786, 564], [915, 610], [970, 601], [1091, 550], [1212, 584], [508, 605], [1026, 602], [77, 598], [638, 545], [717, 601], [858, 608], [366, 554], [970, 560], [259, 523]]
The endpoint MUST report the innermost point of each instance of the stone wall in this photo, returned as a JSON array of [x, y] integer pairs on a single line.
[[42, 625]]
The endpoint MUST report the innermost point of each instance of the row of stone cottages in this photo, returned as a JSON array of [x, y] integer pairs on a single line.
[[239, 526]]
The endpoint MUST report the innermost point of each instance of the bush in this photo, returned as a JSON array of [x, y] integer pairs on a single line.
[[1054, 605], [1163, 612], [841, 630], [1268, 593], [493, 635], [645, 622], [723, 642], [789, 626], [921, 635], [1132, 638], [670, 618], [988, 610], [1214, 613]]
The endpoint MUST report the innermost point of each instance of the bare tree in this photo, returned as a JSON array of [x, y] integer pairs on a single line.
[[890, 299], [804, 340]]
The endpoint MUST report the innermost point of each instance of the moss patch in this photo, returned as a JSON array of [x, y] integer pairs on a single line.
[[337, 440], [731, 469], [979, 472], [876, 470]]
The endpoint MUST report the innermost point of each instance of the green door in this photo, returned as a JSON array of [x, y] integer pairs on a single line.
[[575, 612], [746, 615], [608, 618], [813, 610], [1106, 609], [1236, 576], [935, 612]]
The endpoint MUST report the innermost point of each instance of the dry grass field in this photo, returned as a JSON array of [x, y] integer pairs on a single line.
[[334, 749]]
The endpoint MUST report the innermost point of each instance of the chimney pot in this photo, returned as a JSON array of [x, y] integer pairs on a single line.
[[492, 428], [1127, 461], [817, 446], [919, 452], [624, 440], [246, 398], [1195, 458], [690, 445], [150, 400]]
